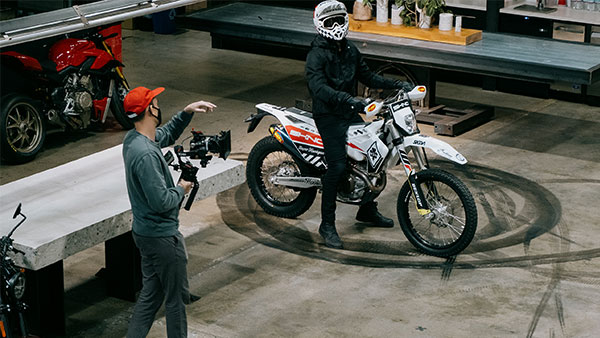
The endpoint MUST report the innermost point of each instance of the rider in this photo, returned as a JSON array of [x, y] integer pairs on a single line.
[[332, 67]]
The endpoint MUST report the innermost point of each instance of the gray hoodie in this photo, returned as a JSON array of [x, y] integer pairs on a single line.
[[154, 198]]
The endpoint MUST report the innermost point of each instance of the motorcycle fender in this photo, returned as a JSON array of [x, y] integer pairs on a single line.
[[439, 147], [28, 62], [255, 119]]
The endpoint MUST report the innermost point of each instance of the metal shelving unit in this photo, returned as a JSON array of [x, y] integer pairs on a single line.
[[75, 18]]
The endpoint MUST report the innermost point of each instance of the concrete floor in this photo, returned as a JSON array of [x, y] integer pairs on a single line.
[[532, 270]]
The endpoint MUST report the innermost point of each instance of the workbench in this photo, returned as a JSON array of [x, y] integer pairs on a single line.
[[285, 31]]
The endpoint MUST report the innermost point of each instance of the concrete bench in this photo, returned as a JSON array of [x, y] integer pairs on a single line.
[[76, 206]]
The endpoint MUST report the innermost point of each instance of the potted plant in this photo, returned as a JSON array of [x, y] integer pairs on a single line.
[[362, 10], [408, 12], [420, 12]]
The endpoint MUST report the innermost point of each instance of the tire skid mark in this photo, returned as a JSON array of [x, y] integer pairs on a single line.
[[272, 231], [560, 310], [447, 268], [542, 306], [508, 227], [554, 285]]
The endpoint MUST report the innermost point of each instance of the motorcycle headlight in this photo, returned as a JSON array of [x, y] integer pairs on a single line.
[[16, 285], [411, 123]]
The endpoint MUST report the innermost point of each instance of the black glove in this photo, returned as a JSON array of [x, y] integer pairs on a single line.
[[355, 105], [405, 86]]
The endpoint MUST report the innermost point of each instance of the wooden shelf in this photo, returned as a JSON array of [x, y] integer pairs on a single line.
[[464, 37], [452, 122]]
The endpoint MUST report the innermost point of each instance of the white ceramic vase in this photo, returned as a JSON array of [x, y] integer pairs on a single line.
[[382, 10], [424, 20], [446, 21], [396, 19]]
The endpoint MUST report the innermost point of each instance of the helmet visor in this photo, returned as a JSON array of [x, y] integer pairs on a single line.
[[331, 21]]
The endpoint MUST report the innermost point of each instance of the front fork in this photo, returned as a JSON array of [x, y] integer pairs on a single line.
[[420, 200]]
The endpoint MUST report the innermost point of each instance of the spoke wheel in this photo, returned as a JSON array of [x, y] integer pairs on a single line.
[[267, 160], [22, 129], [450, 226]]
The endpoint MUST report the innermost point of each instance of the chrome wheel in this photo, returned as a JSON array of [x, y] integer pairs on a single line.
[[268, 160], [23, 128], [279, 164], [450, 226], [446, 222]]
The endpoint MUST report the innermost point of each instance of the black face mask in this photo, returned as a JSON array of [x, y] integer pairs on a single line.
[[157, 117]]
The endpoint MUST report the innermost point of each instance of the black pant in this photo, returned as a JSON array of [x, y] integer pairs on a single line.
[[333, 130], [164, 270]]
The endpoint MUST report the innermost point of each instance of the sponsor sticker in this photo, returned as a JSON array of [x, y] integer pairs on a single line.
[[399, 105], [374, 155], [302, 136]]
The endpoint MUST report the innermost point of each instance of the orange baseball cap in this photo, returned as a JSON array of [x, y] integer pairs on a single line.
[[138, 99]]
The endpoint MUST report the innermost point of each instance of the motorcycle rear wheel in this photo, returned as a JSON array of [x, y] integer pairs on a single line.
[[22, 128], [268, 158], [451, 225]]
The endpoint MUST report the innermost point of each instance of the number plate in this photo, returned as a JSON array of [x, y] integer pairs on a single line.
[[399, 105]]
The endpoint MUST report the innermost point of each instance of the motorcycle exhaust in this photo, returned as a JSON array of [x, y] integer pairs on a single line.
[[374, 188], [54, 118], [315, 182]]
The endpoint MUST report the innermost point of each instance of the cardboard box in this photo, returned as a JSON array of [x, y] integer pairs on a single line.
[[195, 7], [127, 24]]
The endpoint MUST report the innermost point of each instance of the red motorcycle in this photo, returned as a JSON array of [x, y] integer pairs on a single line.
[[78, 83]]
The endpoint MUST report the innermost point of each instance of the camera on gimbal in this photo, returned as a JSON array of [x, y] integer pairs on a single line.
[[200, 147]]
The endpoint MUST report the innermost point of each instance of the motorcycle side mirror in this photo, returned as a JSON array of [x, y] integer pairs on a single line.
[[418, 93], [373, 108], [17, 212]]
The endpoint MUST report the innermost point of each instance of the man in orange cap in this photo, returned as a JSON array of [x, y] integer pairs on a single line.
[[155, 202]]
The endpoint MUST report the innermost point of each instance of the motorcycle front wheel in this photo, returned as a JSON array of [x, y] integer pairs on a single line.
[[451, 225], [116, 104], [22, 129], [268, 159]]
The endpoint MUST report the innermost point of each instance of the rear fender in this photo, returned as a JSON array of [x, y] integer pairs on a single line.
[[255, 119], [264, 109], [439, 147], [28, 63]]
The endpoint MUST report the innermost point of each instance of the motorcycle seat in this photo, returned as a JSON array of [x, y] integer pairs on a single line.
[[48, 66], [299, 111]]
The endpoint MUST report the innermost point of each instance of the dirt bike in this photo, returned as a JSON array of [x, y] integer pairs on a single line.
[[74, 85], [12, 288], [435, 209]]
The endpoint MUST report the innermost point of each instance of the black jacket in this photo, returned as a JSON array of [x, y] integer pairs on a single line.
[[331, 71]]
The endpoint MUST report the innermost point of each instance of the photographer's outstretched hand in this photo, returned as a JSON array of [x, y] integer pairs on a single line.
[[199, 107]]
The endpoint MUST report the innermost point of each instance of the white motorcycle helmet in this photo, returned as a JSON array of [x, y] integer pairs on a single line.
[[331, 20]]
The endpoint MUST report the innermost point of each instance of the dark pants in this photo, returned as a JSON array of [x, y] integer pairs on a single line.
[[333, 131], [164, 270]]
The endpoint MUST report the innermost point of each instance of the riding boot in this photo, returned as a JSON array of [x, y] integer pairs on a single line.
[[330, 235], [368, 213]]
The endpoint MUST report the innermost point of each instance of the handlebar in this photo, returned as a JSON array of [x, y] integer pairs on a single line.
[[374, 107]]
